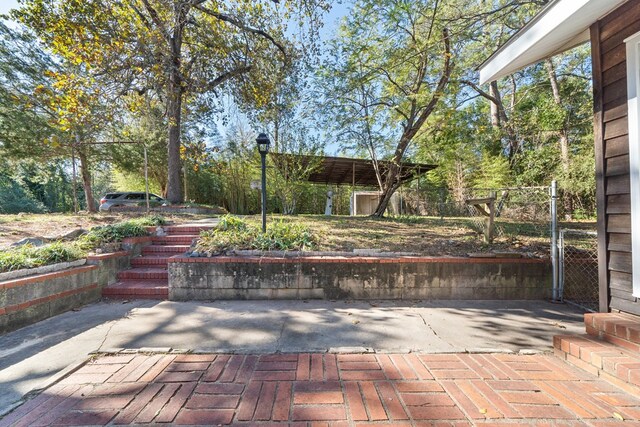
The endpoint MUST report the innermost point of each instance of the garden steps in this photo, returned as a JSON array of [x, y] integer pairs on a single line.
[[148, 277], [144, 289], [165, 249], [151, 260], [610, 349], [175, 239], [144, 273]]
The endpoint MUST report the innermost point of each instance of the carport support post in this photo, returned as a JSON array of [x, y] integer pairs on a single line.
[[554, 239]]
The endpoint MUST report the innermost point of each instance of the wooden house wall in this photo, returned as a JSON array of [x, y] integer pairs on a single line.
[[612, 155]]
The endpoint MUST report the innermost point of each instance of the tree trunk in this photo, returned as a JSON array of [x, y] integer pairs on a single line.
[[86, 179], [174, 114], [563, 139], [496, 123], [390, 185]]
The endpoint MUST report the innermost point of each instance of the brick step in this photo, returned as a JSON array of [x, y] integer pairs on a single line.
[[616, 328], [150, 260], [186, 229], [610, 362], [165, 249], [144, 273], [178, 239], [144, 289]]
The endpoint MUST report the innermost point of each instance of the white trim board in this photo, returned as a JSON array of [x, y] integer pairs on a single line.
[[562, 25], [633, 95]]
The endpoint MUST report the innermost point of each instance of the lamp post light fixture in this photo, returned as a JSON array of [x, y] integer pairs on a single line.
[[263, 148]]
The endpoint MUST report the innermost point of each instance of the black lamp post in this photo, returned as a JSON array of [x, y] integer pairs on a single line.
[[263, 148]]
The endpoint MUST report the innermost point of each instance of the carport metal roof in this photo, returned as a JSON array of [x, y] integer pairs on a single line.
[[360, 172]]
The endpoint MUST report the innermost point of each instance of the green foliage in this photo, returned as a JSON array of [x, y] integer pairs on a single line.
[[231, 223], [29, 256], [99, 236], [285, 236], [237, 166], [14, 198], [493, 172], [235, 234], [149, 221], [297, 158]]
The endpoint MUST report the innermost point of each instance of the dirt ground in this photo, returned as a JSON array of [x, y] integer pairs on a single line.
[[421, 235], [16, 227], [427, 235]]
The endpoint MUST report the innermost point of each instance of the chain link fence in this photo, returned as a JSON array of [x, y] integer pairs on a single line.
[[526, 214], [519, 211], [578, 268]]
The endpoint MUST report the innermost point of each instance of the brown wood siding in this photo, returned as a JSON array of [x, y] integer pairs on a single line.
[[612, 155]]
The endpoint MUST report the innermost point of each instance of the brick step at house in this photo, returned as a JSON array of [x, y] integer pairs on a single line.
[[617, 328], [144, 273], [608, 361], [165, 249], [139, 289]]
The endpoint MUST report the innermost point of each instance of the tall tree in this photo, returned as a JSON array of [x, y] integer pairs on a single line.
[[178, 48], [52, 106], [395, 60]]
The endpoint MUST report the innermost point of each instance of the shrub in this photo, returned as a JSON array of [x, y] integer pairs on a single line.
[[99, 236], [233, 233], [29, 256], [150, 221], [14, 199], [285, 236], [230, 222]]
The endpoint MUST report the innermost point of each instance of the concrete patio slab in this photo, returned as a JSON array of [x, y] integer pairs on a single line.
[[30, 356]]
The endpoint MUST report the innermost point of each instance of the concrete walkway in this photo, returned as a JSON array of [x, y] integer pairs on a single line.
[[328, 389], [32, 356]]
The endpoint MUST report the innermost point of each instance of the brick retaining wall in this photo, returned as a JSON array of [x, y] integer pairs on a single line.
[[358, 278], [30, 299]]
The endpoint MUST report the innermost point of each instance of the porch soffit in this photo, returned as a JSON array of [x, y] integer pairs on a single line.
[[560, 26]]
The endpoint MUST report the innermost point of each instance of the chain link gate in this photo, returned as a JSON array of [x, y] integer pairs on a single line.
[[578, 268]]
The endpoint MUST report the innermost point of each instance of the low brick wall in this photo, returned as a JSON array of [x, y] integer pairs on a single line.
[[358, 278], [33, 298], [109, 265]]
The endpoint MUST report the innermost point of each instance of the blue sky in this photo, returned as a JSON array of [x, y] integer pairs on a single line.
[[6, 5]]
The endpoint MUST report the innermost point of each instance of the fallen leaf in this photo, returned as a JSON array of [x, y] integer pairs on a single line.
[[355, 322], [483, 411], [618, 416]]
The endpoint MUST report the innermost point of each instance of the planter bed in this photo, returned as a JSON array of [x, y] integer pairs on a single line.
[[340, 277]]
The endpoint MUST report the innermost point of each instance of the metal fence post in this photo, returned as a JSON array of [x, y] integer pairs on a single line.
[[561, 264], [554, 239]]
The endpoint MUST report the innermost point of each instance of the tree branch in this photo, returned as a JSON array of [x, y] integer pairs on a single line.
[[231, 20], [155, 18], [229, 75], [480, 91]]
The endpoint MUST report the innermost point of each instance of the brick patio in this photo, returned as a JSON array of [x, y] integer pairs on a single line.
[[329, 389]]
